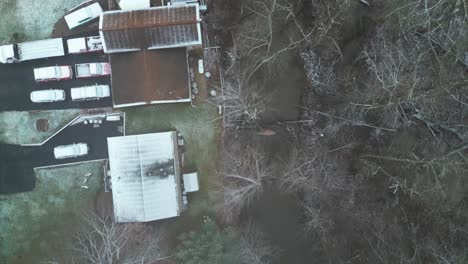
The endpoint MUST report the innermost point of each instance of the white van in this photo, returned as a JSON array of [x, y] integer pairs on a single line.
[[47, 96], [71, 151], [94, 92], [83, 15]]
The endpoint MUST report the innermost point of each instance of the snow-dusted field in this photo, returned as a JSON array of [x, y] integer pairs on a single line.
[[20, 127], [31, 19]]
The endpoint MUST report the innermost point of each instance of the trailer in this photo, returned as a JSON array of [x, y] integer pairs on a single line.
[[95, 69], [84, 45], [32, 50]]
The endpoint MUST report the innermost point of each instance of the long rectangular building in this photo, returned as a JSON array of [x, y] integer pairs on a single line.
[[153, 28], [146, 177]]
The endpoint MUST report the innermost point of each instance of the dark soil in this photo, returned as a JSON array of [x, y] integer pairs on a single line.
[[42, 125]]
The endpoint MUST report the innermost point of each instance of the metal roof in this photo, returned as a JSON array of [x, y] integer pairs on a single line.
[[153, 28], [145, 176], [150, 77], [191, 182]]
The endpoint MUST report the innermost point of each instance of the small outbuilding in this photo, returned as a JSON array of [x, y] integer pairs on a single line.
[[146, 177]]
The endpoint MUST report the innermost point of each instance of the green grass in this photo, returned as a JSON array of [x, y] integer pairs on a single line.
[[199, 126], [20, 127], [29, 219]]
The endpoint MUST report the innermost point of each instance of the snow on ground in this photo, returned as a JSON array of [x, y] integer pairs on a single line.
[[34, 217], [20, 127], [35, 19]]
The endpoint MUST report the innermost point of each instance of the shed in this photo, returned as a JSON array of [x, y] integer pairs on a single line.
[[150, 77], [191, 182], [153, 28], [145, 175]]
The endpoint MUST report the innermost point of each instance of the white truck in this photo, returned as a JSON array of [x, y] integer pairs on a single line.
[[31, 50], [71, 151], [94, 92], [84, 45], [94, 69], [83, 15]]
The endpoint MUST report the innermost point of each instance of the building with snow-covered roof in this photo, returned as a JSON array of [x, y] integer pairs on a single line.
[[146, 177]]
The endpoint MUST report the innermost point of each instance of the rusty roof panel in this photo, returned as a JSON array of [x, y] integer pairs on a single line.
[[160, 27], [149, 76]]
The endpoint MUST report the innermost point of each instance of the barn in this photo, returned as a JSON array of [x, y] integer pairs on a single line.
[[148, 53], [145, 173]]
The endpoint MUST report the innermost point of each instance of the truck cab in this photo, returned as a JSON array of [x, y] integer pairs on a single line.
[[9, 53]]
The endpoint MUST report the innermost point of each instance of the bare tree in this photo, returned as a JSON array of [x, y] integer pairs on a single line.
[[101, 240], [257, 45], [245, 174]]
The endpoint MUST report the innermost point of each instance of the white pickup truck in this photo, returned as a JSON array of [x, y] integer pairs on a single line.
[[94, 92], [84, 45], [94, 69], [31, 50]]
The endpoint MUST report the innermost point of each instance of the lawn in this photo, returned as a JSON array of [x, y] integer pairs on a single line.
[[20, 127], [31, 19], [31, 220]]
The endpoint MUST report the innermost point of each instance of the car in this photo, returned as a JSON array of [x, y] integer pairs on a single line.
[[83, 15], [47, 96], [94, 92], [84, 45], [71, 151], [53, 73], [94, 69]]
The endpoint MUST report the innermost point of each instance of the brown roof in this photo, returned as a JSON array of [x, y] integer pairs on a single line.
[[159, 27], [150, 76]]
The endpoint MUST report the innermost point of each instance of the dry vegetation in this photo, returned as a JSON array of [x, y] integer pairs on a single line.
[[101, 240], [378, 158]]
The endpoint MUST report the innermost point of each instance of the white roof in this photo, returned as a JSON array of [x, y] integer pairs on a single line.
[[191, 182], [134, 4], [46, 72], [83, 15], [145, 177], [76, 45]]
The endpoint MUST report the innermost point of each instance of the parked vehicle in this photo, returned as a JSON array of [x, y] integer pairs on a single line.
[[84, 45], [31, 50], [53, 73], [86, 70], [71, 151], [94, 92], [47, 96], [83, 15]]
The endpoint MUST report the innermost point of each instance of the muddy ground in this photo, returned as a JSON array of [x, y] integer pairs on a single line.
[[368, 208]]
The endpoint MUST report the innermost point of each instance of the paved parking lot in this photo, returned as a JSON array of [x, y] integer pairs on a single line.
[[17, 83], [17, 163]]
